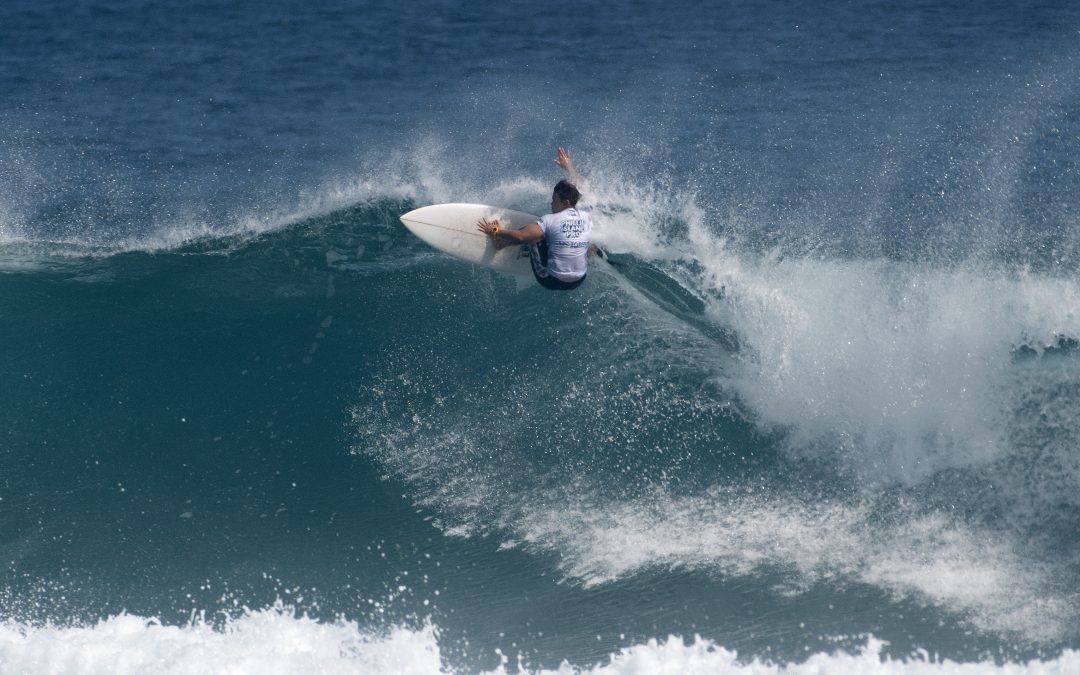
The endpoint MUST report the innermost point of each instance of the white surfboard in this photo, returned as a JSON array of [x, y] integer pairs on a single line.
[[452, 228]]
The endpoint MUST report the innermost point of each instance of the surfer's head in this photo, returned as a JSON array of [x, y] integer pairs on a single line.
[[565, 192]]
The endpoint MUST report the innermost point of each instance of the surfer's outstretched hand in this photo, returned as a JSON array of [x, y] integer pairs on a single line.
[[566, 164]]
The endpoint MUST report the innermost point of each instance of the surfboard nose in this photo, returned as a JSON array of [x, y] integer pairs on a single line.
[[452, 228]]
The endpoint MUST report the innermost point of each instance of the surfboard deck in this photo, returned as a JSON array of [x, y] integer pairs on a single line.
[[451, 228]]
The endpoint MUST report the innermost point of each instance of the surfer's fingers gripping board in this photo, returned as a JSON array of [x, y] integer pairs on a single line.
[[495, 230]]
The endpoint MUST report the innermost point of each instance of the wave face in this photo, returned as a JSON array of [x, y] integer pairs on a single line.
[[816, 411]]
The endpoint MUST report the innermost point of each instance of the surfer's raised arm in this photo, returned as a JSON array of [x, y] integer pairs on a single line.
[[567, 165]]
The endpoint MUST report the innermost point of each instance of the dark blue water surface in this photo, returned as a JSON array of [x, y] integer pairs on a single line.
[[825, 393]]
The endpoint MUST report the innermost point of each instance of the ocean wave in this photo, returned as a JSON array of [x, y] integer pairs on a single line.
[[861, 394]]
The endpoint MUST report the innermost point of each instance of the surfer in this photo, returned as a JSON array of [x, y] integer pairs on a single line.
[[558, 242]]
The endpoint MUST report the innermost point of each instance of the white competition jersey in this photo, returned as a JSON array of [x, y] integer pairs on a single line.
[[567, 234]]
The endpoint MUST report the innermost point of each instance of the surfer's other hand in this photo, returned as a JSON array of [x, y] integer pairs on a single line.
[[564, 161], [491, 229]]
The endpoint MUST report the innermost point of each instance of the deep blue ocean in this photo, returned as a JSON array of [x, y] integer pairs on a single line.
[[820, 414]]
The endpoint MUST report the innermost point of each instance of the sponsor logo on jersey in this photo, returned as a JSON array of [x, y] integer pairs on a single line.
[[573, 227]]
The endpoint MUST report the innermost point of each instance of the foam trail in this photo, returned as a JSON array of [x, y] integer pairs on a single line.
[[974, 573]]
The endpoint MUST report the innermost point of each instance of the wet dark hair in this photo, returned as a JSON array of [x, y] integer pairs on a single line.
[[567, 191]]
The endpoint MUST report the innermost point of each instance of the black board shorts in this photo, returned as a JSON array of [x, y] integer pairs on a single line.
[[538, 256]]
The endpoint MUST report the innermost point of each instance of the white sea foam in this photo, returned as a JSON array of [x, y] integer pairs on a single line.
[[929, 558], [902, 369], [268, 641], [276, 641]]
